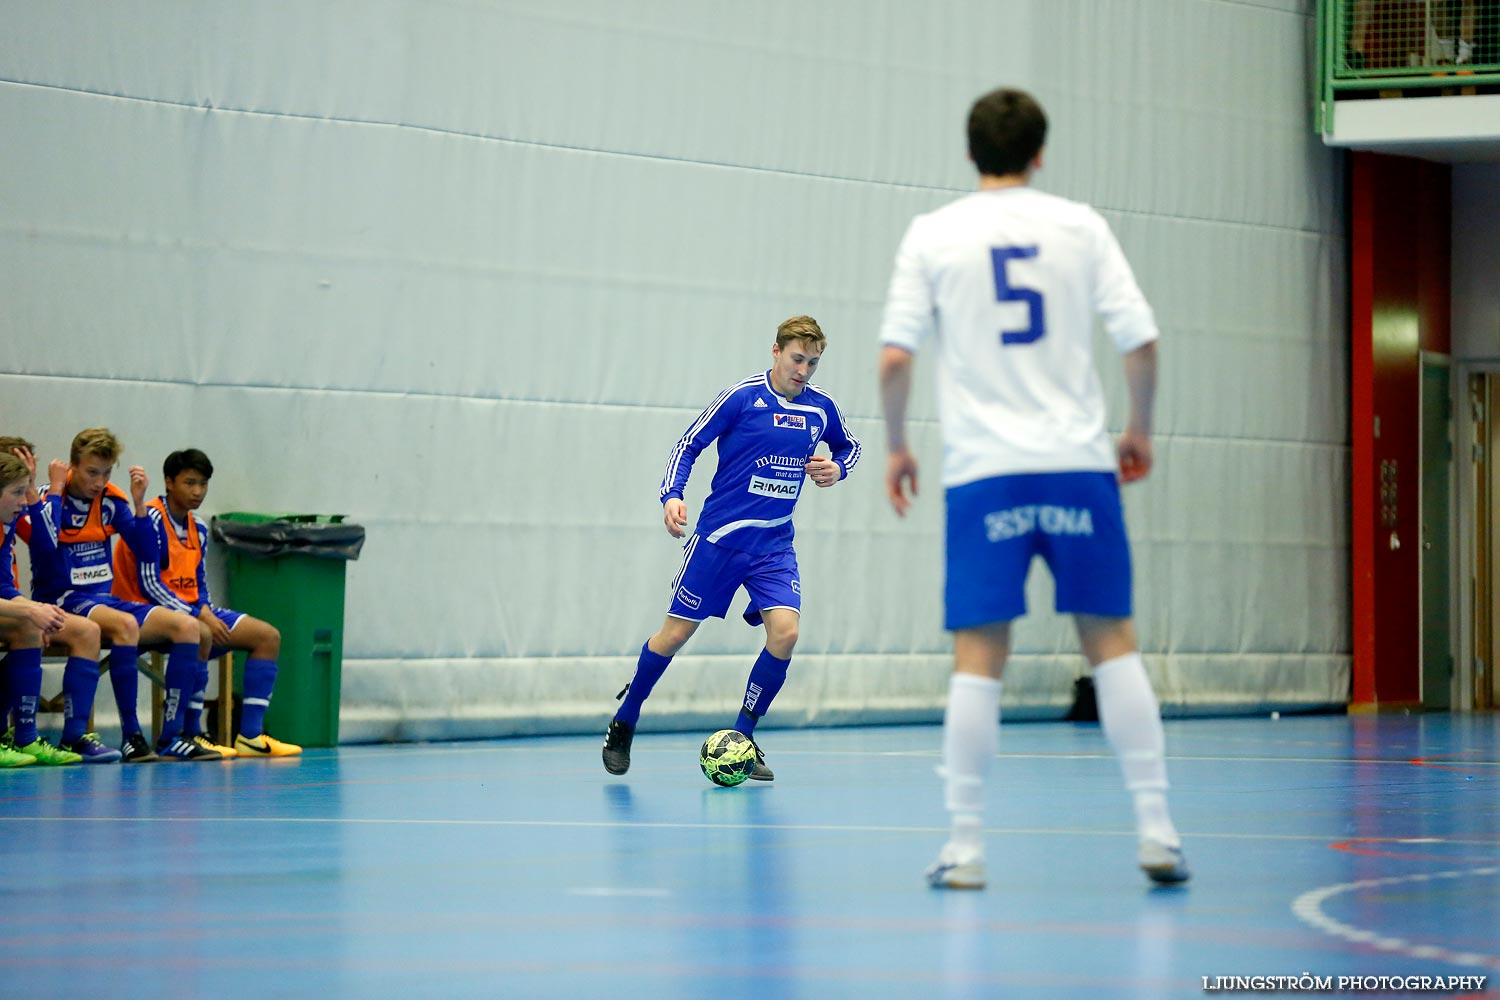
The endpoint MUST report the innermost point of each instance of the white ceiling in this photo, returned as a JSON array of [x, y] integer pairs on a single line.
[[1464, 129]]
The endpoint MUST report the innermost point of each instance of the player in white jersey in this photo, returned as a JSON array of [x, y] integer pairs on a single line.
[[766, 429], [1006, 284]]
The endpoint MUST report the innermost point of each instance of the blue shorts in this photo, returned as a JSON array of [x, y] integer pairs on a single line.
[[81, 603], [230, 620], [1073, 520], [710, 574]]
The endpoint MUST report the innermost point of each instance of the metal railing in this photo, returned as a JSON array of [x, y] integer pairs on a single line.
[[1421, 47]]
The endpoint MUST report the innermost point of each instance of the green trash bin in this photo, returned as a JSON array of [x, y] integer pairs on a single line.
[[288, 570]]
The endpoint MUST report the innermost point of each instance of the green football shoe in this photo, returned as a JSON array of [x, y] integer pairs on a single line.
[[14, 758], [45, 753]]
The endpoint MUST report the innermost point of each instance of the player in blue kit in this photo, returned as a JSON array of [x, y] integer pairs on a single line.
[[766, 428], [1005, 284], [72, 566], [25, 628]]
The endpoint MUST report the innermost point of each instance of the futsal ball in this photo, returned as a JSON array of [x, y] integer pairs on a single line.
[[727, 757]]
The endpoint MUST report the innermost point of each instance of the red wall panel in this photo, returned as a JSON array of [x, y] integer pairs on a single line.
[[1399, 288]]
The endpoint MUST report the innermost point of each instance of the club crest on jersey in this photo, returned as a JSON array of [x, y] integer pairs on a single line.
[[791, 421], [816, 430]]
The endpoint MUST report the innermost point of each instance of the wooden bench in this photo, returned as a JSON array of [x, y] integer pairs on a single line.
[[151, 665], [223, 734]]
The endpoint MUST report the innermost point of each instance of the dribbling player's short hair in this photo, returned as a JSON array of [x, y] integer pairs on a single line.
[[803, 328], [1006, 130], [96, 441], [187, 458], [12, 471]]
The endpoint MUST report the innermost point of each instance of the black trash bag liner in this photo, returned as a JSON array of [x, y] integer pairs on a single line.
[[307, 535]]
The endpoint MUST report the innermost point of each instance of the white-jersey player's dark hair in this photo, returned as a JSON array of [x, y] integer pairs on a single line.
[[1007, 128]]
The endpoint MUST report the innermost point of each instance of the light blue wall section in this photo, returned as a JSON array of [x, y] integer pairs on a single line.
[[464, 270]]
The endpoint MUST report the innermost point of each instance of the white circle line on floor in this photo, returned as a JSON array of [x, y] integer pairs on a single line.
[[1308, 908]]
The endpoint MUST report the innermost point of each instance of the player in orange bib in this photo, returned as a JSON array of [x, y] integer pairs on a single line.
[[176, 580], [77, 637], [71, 566]]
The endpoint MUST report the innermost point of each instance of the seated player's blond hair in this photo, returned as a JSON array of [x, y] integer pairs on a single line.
[[803, 328], [8, 442], [12, 470], [96, 441]]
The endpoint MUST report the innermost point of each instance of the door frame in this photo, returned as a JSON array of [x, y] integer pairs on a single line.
[[1470, 499], [1441, 363]]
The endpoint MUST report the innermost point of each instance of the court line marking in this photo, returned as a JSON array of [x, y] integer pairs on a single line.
[[36, 794], [614, 824], [1308, 908], [1473, 766], [923, 753], [1356, 846]]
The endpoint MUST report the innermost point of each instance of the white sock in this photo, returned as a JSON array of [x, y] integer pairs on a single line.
[[971, 738], [1131, 719]]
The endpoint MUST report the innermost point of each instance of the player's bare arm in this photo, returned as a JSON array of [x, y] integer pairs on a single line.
[[47, 618], [1134, 446], [900, 463]]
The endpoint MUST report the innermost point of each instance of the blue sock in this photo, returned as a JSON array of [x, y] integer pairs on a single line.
[[260, 678], [123, 679], [648, 670], [182, 674], [24, 690], [192, 720], [766, 678], [80, 678], [7, 701]]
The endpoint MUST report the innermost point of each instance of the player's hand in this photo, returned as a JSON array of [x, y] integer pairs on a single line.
[[218, 632], [823, 470], [674, 515], [1135, 456], [138, 484], [48, 618], [25, 455], [900, 470], [57, 476]]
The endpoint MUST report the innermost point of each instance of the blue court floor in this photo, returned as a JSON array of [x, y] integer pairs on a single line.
[[1327, 845]]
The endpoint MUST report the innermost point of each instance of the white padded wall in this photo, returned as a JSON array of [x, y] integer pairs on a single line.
[[464, 270]]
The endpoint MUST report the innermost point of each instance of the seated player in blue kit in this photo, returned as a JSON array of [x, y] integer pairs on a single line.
[[77, 638], [25, 628], [767, 428], [72, 566], [177, 580]]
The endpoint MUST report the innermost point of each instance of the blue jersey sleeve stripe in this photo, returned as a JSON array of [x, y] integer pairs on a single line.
[[847, 456], [203, 599], [47, 513], [670, 480]]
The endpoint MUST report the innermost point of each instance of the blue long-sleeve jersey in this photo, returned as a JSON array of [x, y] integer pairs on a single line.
[[8, 562], [764, 441], [71, 543]]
